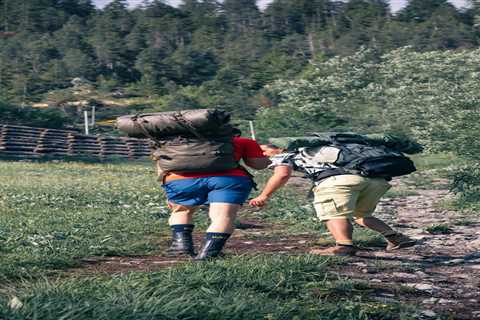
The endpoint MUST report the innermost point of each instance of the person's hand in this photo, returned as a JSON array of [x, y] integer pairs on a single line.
[[259, 201]]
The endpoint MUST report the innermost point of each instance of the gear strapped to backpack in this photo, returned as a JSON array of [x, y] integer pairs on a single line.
[[355, 154], [186, 141]]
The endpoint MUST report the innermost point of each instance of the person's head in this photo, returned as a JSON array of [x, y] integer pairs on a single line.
[[236, 132], [271, 150]]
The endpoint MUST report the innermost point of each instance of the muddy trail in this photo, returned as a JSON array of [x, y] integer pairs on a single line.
[[441, 275]]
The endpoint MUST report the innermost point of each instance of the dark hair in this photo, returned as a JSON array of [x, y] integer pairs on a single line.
[[236, 132]]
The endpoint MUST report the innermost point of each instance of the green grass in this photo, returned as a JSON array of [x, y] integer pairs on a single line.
[[259, 287], [424, 161], [439, 229], [54, 213], [400, 193]]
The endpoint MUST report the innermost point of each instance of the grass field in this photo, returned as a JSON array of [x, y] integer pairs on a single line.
[[53, 214]]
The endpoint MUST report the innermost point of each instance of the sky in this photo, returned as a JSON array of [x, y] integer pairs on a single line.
[[396, 4]]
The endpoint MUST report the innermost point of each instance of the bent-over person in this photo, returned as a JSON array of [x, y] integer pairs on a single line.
[[339, 197]]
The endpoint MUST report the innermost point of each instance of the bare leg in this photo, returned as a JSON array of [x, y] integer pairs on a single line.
[[181, 214], [222, 216], [376, 225], [341, 230], [394, 239]]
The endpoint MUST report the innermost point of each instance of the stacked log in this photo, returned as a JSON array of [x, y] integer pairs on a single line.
[[113, 147], [18, 141], [137, 148], [53, 143], [32, 143], [83, 145]]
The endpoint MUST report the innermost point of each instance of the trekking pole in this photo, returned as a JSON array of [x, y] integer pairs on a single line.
[[252, 130]]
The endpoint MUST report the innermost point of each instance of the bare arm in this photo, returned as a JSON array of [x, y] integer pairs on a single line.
[[280, 176], [257, 163]]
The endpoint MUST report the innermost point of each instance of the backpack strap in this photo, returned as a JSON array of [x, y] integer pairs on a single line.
[[187, 125], [138, 123]]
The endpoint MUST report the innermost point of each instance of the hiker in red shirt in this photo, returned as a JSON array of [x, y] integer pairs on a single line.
[[224, 192]]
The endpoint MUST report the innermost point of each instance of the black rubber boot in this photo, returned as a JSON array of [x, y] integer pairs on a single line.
[[213, 245], [182, 241]]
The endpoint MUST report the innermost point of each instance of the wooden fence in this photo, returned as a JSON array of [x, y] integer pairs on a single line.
[[36, 143]]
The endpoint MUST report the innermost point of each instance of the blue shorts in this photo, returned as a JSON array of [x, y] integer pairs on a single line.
[[198, 191]]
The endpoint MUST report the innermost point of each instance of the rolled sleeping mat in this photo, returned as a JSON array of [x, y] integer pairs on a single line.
[[198, 122]]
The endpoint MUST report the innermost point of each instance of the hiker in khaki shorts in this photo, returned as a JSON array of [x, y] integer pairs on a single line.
[[339, 198]]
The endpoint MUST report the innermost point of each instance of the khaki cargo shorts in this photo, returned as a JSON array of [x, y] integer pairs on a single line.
[[348, 196]]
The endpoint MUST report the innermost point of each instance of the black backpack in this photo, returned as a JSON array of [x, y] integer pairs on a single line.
[[356, 154]]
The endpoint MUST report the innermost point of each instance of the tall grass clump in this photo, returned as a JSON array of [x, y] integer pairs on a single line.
[[259, 287]]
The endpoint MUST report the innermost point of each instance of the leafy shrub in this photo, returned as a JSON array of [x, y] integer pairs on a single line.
[[439, 229], [27, 116], [466, 184], [431, 96]]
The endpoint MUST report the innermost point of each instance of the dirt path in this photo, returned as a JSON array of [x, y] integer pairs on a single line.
[[441, 275], [443, 270]]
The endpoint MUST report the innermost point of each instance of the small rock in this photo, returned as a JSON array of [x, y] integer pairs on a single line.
[[430, 301], [475, 244], [421, 286], [454, 261], [359, 264], [421, 274], [445, 301], [428, 313], [386, 300], [405, 275], [15, 303], [369, 270]]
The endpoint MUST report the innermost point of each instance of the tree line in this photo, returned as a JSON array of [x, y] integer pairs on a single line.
[[206, 53]]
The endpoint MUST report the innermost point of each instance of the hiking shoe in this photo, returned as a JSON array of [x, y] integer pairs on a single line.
[[335, 251], [399, 241]]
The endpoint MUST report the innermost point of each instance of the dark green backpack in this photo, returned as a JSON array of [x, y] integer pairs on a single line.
[[199, 140], [184, 154]]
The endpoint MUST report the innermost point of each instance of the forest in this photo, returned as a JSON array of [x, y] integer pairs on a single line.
[[205, 53]]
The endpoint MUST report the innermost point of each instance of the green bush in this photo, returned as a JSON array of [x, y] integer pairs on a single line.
[[27, 116], [466, 184]]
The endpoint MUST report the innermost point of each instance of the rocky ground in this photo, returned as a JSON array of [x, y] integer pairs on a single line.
[[441, 275]]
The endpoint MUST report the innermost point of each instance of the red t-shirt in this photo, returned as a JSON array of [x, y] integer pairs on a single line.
[[242, 148]]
